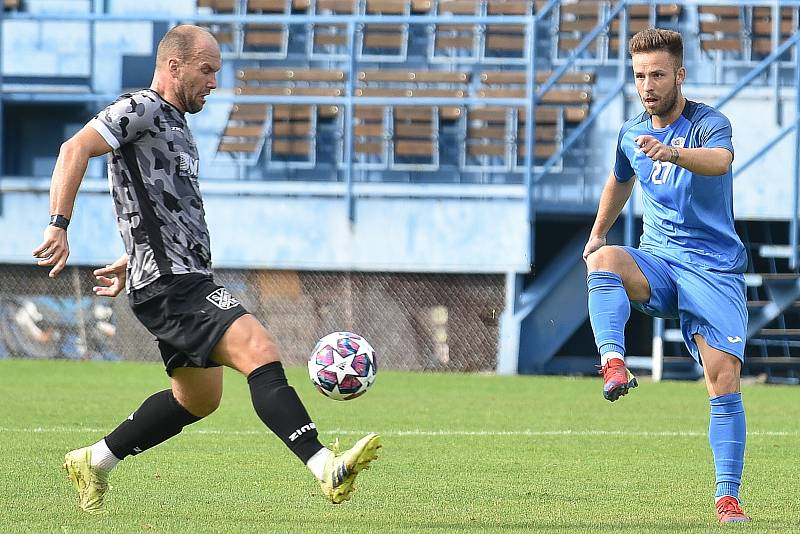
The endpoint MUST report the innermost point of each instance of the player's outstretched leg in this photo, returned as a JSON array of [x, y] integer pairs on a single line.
[[339, 475], [617, 379], [159, 418], [91, 483]]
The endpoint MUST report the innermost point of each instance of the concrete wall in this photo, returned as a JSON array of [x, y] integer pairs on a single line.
[[290, 232]]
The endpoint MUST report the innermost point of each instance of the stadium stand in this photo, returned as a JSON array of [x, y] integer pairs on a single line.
[[641, 17], [227, 35], [385, 42], [330, 41], [576, 19], [762, 27], [507, 43], [477, 136], [455, 40], [721, 30], [244, 132], [290, 135], [370, 140], [414, 129], [496, 136]]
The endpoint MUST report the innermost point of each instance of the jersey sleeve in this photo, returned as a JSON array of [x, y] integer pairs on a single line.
[[127, 119], [715, 132], [622, 165]]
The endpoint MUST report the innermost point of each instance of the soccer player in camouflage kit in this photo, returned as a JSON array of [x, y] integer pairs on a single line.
[[199, 325]]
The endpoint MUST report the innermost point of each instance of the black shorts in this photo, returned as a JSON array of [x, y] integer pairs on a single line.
[[188, 314]]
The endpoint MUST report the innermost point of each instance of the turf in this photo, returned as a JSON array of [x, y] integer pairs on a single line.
[[462, 453]]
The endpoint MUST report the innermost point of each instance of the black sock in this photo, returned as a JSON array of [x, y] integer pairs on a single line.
[[158, 418], [278, 405]]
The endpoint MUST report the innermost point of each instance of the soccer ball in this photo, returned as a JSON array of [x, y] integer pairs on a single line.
[[342, 366]]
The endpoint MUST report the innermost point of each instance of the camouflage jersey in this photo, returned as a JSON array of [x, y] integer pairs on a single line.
[[152, 172]]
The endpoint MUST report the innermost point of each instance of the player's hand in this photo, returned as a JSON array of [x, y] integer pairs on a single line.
[[592, 245], [653, 148], [54, 250], [111, 278]]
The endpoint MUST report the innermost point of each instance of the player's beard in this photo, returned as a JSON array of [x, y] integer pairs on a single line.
[[666, 105], [192, 106], [190, 101]]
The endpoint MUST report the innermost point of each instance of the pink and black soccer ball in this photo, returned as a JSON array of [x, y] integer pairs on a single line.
[[342, 366]]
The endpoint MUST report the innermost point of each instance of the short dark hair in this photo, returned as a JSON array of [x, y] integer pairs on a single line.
[[180, 42], [656, 39]]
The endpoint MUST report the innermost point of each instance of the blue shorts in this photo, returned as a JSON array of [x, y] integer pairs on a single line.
[[709, 303]]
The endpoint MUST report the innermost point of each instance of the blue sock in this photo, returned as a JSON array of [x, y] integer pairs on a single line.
[[727, 432], [609, 310]]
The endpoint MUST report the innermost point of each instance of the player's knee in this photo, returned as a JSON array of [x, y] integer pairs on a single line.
[[202, 404], [724, 377], [604, 259], [259, 349]]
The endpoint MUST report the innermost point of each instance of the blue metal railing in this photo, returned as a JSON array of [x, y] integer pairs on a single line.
[[770, 145]]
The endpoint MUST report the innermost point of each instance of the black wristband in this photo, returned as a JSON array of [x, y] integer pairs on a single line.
[[59, 221]]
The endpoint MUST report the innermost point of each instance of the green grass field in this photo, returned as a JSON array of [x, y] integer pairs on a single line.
[[474, 453]]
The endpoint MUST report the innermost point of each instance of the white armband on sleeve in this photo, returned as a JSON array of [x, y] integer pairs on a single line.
[[100, 127]]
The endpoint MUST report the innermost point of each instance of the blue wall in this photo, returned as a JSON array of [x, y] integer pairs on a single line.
[[473, 235]]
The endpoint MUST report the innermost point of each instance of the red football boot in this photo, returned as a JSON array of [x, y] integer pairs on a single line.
[[617, 379], [729, 511]]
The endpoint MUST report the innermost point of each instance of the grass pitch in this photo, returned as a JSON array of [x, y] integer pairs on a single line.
[[462, 453]]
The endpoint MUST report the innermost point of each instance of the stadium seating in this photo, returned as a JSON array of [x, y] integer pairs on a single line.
[[455, 40], [762, 26], [639, 18], [290, 132], [576, 19], [225, 34], [385, 42], [496, 136], [477, 137], [244, 132], [403, 137], [507, 43], [330, 40], [414, 129], [721, 30]]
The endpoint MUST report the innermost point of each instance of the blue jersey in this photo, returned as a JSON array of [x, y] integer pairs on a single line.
[[686, 216]]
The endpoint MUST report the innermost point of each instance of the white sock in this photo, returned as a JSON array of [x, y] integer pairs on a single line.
[[317, 462], [102, 456], [610, 354]]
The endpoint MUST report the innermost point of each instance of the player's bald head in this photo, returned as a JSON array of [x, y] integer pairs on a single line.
[[183, 42]]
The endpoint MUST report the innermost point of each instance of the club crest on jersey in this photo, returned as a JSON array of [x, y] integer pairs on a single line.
[[222, 299], [188, 164], [678, 142]]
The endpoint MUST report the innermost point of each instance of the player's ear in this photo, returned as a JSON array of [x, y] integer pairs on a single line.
[[173, 64], [680, 76]]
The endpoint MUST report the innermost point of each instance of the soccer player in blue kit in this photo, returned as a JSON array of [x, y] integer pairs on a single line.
[[689, 262]]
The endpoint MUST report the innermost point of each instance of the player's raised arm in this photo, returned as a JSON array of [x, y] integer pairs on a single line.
[[613, 198], [67, 176], [702, 161]]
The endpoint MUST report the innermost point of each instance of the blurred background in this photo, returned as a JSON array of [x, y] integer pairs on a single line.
[[421, 172]]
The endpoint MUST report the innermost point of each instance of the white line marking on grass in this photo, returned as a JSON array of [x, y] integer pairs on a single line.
[[432, 433]]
